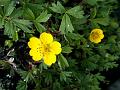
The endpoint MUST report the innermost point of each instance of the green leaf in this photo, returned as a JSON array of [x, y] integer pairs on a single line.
[[62, 62], [1, 11], [48, 78], [40, 28], [42, 66], [22, 21], [3, 2], [1, 22], [63, 25], [58, 8], [43, 17], [56, 86], [23, 25], [15, 36], [9, 8], [29, 14], [91, 2], [26, 76], [22, 85], [76, 12], [101, 21], [24, 28], [17, 13], [64, 75], [74, 36], [66, 49], [9, 29], [66, 25], [93, 12]]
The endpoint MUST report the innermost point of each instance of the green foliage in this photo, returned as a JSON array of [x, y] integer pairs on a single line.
[[81, 62]]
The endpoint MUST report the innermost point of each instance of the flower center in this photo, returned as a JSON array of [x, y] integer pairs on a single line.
[[46, 48], [95, 35]]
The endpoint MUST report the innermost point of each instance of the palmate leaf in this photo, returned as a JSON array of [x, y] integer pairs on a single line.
[[29, 14], [9, 8], [58, 8], [22, 85], [76, 12], [66, 25], [22, 21], [17, 13], [40, 28], [26, 76], [23, 25], [64, 75], [43, 17]]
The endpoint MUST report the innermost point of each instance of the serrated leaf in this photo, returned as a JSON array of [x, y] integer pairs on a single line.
[[76, 12], [63, 25], [48, 78], [43, 17], [102, 21], [22, 21], [66, 25], [64, 75], [23, 25], [9, 29], [22, 85], [26, 76], [66, 49], [29, 14], [17, 13], [69, 26], [40, 28], [42, 66], [58, 8], [75, 36], [91, 2], [9, 8], [62, 62]]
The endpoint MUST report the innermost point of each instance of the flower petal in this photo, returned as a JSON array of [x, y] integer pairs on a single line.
[[102, 36], [49, 58], [55, 47], [36, 54], [98, 31], [36, 58], [46, 38], [34, 42]]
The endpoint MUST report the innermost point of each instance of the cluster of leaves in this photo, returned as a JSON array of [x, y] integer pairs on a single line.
[[80, 65]]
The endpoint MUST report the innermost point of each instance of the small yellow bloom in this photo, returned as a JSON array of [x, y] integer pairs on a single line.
[[44, 48], [96, 35]]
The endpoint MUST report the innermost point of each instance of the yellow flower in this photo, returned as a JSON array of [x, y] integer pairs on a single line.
[[44, 48], [96, 35]]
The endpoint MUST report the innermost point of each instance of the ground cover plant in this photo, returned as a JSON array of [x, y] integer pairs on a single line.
[[58, 44]]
